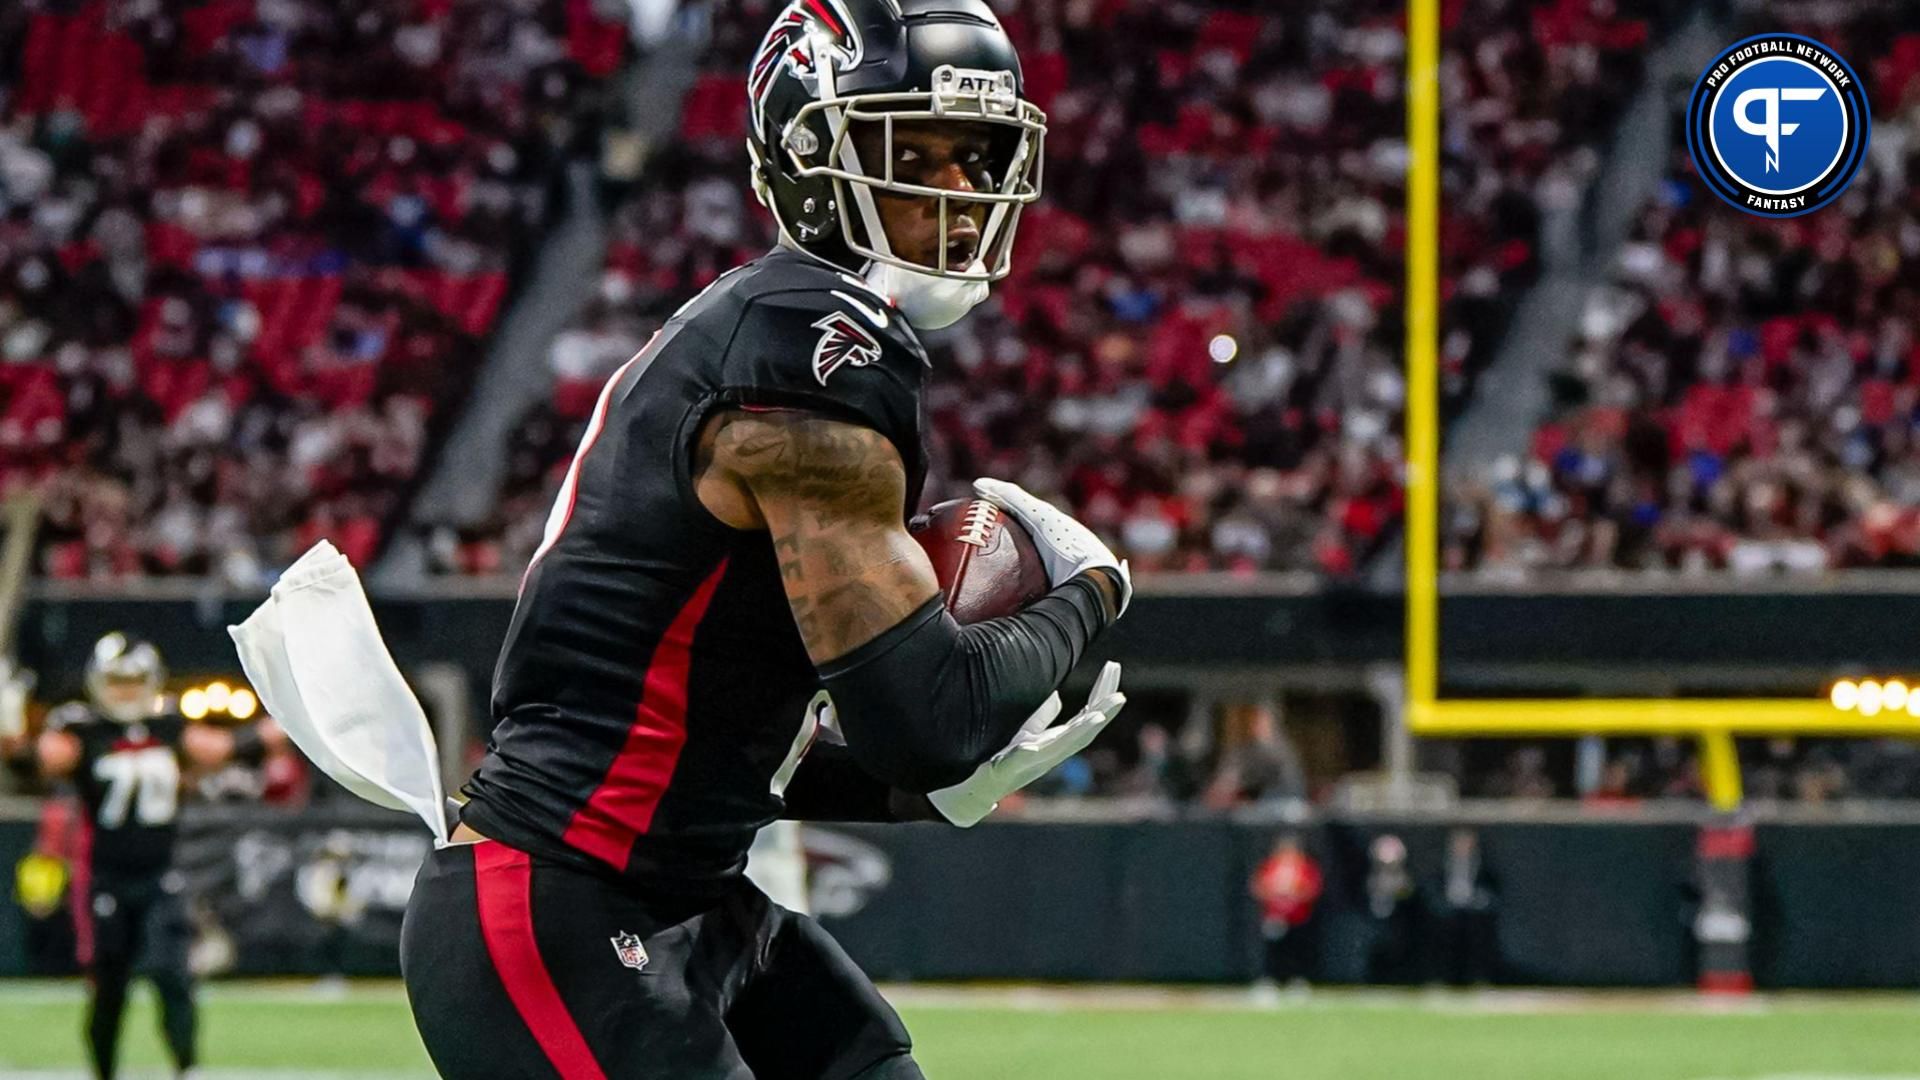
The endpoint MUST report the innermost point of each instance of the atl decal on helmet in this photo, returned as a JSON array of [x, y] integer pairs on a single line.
[[1778, 124]]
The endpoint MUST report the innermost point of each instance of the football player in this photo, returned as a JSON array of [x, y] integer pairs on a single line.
[[123, 750], [727, 579]]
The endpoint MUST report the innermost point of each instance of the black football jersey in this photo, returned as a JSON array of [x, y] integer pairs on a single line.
[[653, 694], [129, 780]]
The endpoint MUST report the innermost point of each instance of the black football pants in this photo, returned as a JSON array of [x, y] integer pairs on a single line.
[[139, 925], [520, 968]]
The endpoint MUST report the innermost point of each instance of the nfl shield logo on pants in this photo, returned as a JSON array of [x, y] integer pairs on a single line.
[[630, 950]]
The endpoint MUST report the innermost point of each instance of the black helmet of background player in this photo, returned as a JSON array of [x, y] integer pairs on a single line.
[[835, 74], [124, 677]]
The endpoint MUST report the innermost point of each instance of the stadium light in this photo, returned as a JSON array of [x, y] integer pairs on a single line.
[[1872, 697], [218, 698], [1893, 695], [1844, 695]]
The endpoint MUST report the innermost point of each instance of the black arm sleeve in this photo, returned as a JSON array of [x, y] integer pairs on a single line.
[[830, 785], [925, 703]]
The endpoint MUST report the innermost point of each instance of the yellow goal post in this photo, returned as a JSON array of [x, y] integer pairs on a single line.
[[1714, 721]]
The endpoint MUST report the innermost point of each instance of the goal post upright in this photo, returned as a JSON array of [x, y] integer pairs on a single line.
[[1715, 722], [1422, 473]]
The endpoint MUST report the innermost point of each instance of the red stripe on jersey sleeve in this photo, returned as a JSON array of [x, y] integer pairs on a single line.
[[503, 882], [621, 809]]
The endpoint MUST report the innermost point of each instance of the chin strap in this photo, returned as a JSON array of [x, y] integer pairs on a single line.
[[929, 301]]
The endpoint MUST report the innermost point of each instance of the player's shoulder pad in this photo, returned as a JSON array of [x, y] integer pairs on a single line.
[[829, 335], [803, 316], [824, 339], [67, 717]]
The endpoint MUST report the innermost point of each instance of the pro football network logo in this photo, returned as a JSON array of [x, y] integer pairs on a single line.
[[631, 950], [1778, 125], [842, 342]]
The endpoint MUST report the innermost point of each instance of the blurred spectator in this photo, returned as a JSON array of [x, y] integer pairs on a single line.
[[1287, 886], [1466, 923], [1525, 776], [1674, 769], [1616, 787], [1255, 760], [1771, 778], [1393, 912], [1161, 772]]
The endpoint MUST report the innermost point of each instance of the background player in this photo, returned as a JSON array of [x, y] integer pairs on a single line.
[[126, 751]]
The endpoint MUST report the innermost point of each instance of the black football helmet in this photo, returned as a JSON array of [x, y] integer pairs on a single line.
[[829, 66], [124, 678]]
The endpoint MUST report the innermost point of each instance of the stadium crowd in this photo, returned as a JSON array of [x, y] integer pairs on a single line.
[[241, 280], [1742, 393], [1198, 350], [1620, 774], [241, 287], [1245, 754]]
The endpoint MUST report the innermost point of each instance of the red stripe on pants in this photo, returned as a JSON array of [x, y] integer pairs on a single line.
[[80, 886], [503, 879], [622, 807]]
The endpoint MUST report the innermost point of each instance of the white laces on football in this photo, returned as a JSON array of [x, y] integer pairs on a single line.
[[1066, 547]]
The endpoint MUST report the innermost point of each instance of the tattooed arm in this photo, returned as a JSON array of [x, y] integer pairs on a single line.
[[832, 495], [921, 699]]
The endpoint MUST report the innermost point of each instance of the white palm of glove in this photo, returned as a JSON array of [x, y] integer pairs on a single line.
[[1036, 748], [1066, 547]]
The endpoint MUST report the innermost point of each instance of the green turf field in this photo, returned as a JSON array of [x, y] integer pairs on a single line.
[[284, 1031]]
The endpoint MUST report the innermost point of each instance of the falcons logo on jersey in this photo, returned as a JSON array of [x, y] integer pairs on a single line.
[[804, 28], [842, 342]]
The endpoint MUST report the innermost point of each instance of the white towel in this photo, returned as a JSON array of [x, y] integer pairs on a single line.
[[315, 655]]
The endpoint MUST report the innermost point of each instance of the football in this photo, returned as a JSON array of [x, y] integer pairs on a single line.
[[986, 562]]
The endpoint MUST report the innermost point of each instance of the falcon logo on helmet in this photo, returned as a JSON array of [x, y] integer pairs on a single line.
[[830, 67], [842, 342], [805, 30]]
